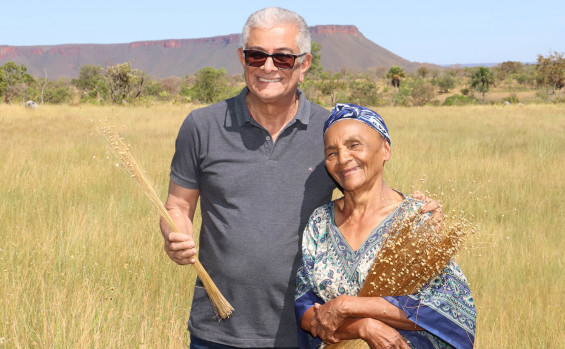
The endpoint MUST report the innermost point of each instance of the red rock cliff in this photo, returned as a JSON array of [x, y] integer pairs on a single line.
[[335, 29]]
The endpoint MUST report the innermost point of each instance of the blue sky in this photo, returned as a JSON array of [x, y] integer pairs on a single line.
[[440, 32]]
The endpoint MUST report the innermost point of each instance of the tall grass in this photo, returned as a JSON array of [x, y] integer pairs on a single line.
[[515, 156], [81, 256]]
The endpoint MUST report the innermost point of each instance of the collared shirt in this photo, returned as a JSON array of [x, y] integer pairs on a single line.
[[256, 196]]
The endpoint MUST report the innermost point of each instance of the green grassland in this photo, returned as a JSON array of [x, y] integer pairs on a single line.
[[81, 256]]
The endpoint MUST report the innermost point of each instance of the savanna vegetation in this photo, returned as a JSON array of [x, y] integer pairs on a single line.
[[82, 263], [507, 83], [81, 258]]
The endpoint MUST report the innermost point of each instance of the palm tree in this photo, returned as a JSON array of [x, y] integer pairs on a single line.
[[481, 80], [395, 73]]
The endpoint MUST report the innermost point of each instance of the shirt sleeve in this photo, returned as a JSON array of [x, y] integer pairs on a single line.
[[444, 308], [305, 296], [185, 168]]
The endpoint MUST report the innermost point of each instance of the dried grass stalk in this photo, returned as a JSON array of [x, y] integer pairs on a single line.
[[416, 250], [119, 149]]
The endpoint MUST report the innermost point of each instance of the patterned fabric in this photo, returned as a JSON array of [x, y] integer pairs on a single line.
[[343, 111], [330, 268]]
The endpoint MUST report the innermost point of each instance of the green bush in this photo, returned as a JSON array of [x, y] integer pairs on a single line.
[[60, 95], [421, 93], [364, 92], [457, 100], [445, 83], [513, 99], [212, 85]]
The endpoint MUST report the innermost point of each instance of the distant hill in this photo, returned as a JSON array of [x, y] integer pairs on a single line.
[[343, 46], [487, 65]]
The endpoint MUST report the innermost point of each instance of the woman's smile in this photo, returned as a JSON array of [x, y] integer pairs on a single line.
[[349, 171]]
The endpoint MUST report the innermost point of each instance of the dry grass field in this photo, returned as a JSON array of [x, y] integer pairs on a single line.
[[81, 259]]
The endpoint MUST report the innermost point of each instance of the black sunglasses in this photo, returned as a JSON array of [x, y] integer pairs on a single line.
[[256, 58]]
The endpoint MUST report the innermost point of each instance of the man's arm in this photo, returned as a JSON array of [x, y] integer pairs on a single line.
[[181, 204]]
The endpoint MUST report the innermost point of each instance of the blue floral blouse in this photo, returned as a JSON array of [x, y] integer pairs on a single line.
[[330, 268]]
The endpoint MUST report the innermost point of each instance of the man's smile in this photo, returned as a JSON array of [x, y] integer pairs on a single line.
[[269, 80]]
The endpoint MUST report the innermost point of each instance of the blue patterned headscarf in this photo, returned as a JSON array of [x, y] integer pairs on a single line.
[[343, 111]]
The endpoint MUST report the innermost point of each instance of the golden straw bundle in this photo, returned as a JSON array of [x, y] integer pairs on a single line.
[[416, 250], [121, 152]]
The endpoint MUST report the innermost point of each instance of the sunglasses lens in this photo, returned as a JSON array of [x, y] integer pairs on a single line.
[[283, 61], [256, 58]]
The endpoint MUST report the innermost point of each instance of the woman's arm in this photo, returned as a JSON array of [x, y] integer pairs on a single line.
[[324, 320], [369, 307], [376, 333]]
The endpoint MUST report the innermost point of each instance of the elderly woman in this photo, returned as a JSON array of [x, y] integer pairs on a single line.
[[341, 240]]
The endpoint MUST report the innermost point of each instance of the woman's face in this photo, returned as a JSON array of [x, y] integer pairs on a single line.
[[355, 154]]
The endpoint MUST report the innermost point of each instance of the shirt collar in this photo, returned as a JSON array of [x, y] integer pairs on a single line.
[[243, 116]]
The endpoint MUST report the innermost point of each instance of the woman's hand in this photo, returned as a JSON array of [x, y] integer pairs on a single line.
[[328, 318], [380, 335]]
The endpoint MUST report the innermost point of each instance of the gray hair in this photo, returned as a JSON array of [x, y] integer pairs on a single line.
[[272, 16]]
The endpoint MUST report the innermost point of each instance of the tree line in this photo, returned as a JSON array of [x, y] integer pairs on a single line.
[[122, 84], [460, 85]]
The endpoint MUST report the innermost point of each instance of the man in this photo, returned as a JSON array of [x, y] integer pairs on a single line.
[[256, 162]]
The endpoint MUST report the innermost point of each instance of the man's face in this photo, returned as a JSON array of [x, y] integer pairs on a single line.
[[269, 83]]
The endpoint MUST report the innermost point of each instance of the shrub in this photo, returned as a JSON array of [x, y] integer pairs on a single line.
[[513, 99], [445, 83], [212, 85], [465, 91], [422, 93], [364, 92], [402, 97], [457, 100]]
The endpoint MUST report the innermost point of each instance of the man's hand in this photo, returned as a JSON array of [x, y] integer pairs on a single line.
[[430, 206], [181, 204], [179, 246]]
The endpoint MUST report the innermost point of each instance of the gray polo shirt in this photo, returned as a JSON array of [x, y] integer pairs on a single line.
[[256, 197]]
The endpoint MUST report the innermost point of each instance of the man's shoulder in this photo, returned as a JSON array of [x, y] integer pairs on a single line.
[[318, 108], [213, 115], [210, 111], [313, 114], [318, 111]]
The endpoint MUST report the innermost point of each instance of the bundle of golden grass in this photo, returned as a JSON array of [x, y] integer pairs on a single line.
[[122, 153], [416, 250]]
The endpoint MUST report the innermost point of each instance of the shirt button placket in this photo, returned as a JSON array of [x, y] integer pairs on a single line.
[[268, 145]]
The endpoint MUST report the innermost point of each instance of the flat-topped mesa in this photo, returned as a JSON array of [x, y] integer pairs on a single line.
[[175, 43], [67, 50], [235, 38], [342, 46], [74, 49], [7, 51], [335, 29]]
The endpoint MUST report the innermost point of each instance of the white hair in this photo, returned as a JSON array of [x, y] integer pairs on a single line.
[[272, 16]]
